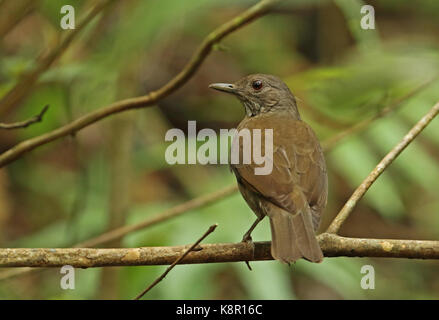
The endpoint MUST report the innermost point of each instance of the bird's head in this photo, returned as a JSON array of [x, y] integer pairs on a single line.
[[260, 93]]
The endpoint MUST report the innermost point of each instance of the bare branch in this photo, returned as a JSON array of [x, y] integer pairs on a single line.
[[379, 169], [150, 99], [332, 246], [26, 123], [152, 285]]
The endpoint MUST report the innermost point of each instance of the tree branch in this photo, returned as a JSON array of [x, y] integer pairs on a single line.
[[379, 169], [26, 123], [12, 12], [331, 244], [150, 99]]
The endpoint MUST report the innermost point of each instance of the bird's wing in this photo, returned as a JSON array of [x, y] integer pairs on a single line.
[[298, 177]]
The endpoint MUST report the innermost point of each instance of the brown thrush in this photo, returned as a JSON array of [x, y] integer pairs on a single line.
[[294, 194]]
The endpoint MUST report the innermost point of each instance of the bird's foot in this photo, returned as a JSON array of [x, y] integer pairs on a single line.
[[248, 240]]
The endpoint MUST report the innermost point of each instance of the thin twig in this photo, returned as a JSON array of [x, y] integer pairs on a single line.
[[379, 169], [150, 99], [332, 246], [152, 285], [26, 123]]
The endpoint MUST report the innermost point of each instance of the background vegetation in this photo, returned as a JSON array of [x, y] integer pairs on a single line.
[[114, 172]]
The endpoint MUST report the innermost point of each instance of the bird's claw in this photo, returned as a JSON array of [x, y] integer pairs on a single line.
[[247, 238]]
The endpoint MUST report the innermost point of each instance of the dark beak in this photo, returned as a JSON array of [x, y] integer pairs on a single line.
[[226, 87]]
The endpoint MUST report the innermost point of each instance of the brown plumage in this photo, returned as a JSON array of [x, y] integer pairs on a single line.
[[294, 194]]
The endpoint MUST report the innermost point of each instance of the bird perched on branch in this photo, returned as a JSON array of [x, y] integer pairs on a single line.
[[294, 194]]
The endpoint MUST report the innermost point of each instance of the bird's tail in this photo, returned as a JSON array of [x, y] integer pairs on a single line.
[[293, 237]]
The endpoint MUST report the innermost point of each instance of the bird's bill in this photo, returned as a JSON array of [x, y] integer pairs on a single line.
[[226, 87]]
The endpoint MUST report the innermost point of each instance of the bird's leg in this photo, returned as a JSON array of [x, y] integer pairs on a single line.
[[247, 236]]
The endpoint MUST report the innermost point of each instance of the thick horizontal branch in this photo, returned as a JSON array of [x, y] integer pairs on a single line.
[[207, 199], [150, 99], [332, 246]]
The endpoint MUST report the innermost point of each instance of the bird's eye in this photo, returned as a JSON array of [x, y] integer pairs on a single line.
[[257, 84]]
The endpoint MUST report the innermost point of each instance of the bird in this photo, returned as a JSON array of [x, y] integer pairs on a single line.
[[294, 195]]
